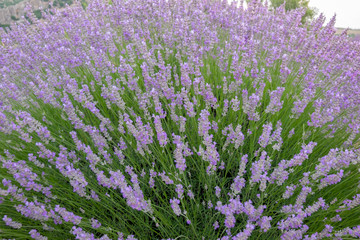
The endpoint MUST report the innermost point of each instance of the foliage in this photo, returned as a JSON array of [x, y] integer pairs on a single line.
[[294, 4], [5, 26], [14, 18], [176, 119], [61, 3], [38, 13], [84, 4]]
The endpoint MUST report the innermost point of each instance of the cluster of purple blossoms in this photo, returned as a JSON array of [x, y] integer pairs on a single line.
[[148, 119], [34, 234], [9, 222]]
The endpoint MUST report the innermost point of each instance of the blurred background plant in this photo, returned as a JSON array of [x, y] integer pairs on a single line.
[[309, 14]]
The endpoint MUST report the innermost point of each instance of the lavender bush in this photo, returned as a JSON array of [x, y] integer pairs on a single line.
[[137, 119]]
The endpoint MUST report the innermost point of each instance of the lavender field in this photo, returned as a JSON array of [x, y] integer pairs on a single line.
[[178, 119]]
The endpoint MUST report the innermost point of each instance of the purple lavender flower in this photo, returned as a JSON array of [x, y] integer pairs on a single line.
[[9, 222], [36, 235], [246, 117], [175, 206], [95, 223]]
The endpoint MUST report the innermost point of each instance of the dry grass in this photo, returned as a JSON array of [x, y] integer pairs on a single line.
[[350, 31]]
